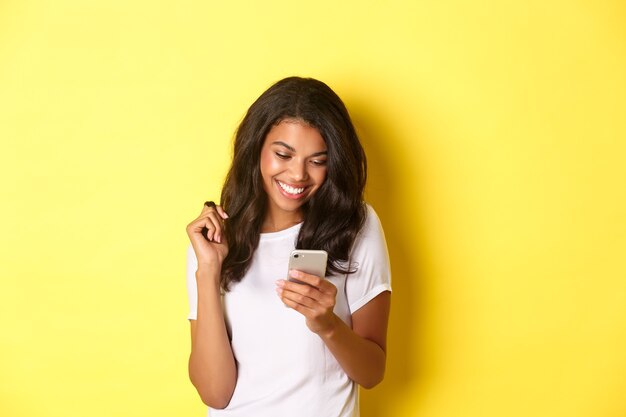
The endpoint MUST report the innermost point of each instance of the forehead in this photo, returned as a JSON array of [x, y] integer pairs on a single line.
[[295, 133]]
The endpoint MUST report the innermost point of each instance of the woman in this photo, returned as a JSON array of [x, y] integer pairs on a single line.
[[296, 181]]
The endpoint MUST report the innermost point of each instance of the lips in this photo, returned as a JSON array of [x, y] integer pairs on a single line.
[[290, 191]]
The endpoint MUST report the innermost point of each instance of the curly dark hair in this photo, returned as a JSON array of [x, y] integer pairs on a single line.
[[334, 215]]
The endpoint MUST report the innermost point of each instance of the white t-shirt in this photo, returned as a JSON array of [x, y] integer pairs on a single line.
[[284, 369]]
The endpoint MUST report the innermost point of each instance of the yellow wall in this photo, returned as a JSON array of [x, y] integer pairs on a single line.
[[497, 146]]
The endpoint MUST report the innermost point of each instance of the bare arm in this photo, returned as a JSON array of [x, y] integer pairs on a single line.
[[361, 351], [212, 368]]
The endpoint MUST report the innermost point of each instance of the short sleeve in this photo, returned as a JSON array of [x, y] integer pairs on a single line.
[[192, 290], [371, 259]]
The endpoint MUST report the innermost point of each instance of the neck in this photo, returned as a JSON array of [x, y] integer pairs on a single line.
[[276, 223]]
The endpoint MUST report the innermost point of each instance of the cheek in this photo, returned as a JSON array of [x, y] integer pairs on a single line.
[[320, 176], [266, 166]]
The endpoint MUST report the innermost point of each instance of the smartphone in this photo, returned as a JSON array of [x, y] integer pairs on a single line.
[[310, 261]]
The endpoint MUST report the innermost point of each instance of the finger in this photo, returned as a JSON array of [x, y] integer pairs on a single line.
[[199, 225], [221, 212], [209, 233], [306, 295], [209, 225], [204, 225], [302, 289], [320, 283], [217, 223], [208, 230], [290, 301], [208, 205], [206, 209], [298, 307], [298, 298]]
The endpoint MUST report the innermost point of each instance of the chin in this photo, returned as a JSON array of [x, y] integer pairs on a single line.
[[290, 207]]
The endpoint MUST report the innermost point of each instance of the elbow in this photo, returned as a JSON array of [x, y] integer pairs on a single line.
[[215, 401], [214, 396], [373, 380], [214, 392], [371, 383]]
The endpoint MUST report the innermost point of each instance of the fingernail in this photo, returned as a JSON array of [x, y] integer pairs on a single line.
[[294, 274], [225, 215], [279, 291], [280, 283]]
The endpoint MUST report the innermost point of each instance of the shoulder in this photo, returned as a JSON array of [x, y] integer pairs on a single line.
[[371, 234], [372, 226], [369, 259]]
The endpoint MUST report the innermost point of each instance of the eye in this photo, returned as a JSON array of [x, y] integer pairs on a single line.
[[319, 162], [282, 155]]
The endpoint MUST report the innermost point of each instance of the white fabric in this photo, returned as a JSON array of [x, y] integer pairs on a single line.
[[283, 369]]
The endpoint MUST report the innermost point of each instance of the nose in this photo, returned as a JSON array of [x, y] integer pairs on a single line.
[[297, 170]]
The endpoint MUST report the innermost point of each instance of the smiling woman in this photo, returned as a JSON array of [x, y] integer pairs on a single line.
[[296, 181], [293, 167]]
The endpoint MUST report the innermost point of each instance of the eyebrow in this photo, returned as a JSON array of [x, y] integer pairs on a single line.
[[280, 143]]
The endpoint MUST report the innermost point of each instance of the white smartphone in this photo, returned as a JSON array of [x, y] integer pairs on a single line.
[[310, 261]]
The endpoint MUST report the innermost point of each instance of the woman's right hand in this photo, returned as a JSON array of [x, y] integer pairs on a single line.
[[206, 234]]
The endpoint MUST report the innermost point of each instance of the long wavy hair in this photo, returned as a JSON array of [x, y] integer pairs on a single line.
[[334, 215]]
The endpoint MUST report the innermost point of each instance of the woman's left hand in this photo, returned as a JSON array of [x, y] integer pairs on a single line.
[[314, 301]]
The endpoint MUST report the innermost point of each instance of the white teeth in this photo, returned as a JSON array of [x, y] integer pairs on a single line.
[[289, 189]]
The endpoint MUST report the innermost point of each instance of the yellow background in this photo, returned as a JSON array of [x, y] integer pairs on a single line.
[[496, 136]]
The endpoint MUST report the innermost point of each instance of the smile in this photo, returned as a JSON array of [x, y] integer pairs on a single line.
[[294, 191]]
